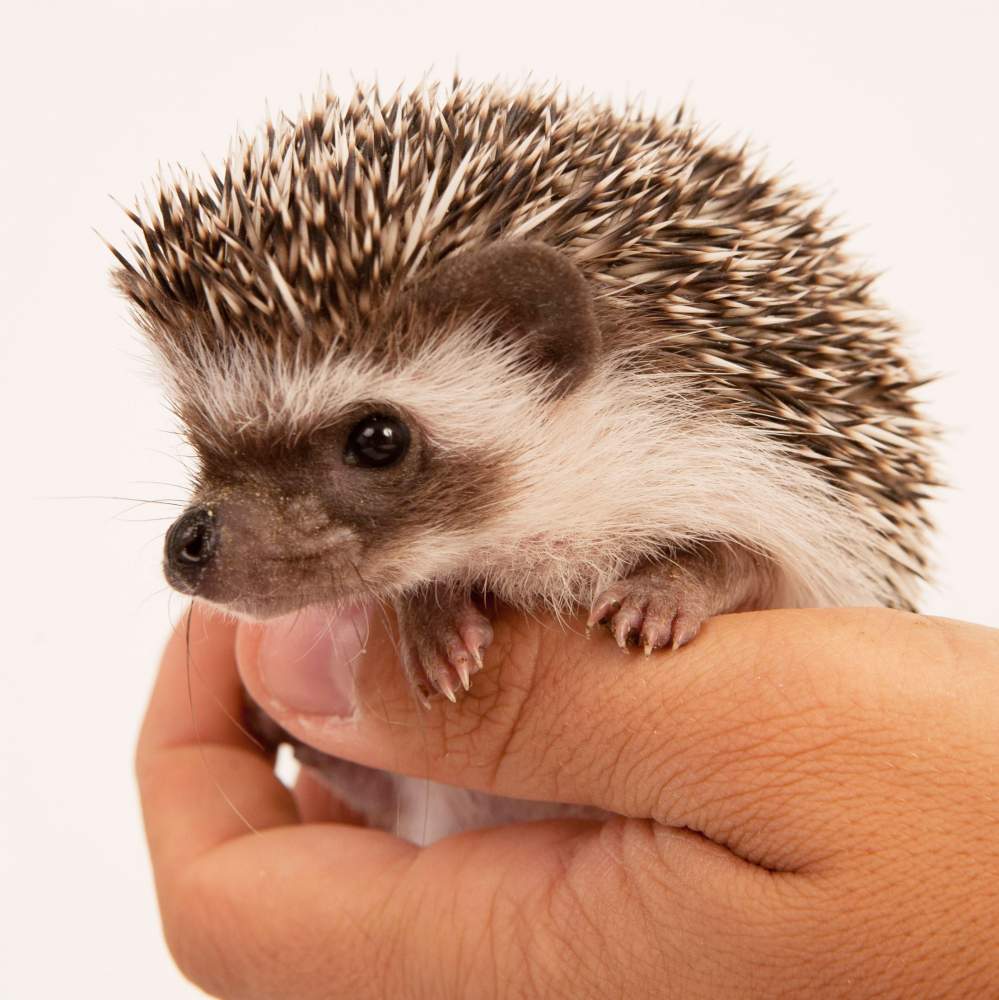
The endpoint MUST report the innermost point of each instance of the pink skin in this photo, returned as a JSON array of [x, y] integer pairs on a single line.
[[660, 605]]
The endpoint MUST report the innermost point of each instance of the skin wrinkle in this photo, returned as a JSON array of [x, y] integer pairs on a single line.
[[526, 936], [392, 953], [840, 741], [791, 780], [514, 728], [832, 742], [502, 914], [770, 859], [914, 784], [571, 905], [766, 816], [542, 942], [651, 720], [885, 946], [667, 940], [457, 736], [879, 960], [645, 758], [523, 937], [392, 946], [666, 810], [555, 762], [203, 939], [572, 958], [801, 857], [663, 895], [303, 955], [639, 907], [527, 654], [780, 939]]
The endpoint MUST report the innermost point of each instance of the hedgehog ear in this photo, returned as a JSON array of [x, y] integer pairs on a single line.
[[541, 301]]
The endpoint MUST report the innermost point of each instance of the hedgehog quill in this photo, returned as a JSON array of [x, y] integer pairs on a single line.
[[470, 341]]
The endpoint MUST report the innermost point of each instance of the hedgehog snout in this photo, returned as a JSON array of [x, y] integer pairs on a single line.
[[259, 552]]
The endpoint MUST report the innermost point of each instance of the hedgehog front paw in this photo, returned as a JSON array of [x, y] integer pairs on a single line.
[[655, 609], [443, 637]]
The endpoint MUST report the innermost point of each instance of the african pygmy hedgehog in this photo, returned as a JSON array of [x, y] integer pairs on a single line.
[[453, 343]]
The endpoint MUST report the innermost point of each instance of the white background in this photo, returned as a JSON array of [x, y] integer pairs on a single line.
[[888, 108]]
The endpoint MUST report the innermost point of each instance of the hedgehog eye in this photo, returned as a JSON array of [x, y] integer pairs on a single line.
[[377, 442]]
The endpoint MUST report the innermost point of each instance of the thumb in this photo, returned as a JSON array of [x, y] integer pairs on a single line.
[[333, 679]]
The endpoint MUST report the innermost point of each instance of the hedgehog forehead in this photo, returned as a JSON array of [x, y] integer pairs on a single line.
[[460, 388]]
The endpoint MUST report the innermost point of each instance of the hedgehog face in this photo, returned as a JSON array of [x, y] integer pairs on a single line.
[[369, 471], [274, 526]]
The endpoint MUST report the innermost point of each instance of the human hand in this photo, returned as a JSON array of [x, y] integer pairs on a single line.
[[808, 807]]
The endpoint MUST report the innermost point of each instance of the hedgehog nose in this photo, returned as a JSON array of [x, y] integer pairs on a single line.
[[190, 544]]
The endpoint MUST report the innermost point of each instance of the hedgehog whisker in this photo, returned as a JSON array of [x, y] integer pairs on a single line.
[[138, 501]]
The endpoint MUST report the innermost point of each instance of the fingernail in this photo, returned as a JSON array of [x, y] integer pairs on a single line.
[[308, 660]]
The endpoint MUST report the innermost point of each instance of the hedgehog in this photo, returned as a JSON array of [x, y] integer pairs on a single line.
[[470, 343]]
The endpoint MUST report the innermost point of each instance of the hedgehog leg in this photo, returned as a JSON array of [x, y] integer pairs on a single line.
[[443, 636], [665, 603]]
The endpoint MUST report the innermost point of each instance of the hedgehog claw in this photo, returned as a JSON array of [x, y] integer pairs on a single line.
[[654, 610], [445, 688], [443, 638]]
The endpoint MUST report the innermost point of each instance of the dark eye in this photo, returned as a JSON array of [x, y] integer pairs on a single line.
[[376, 442]]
